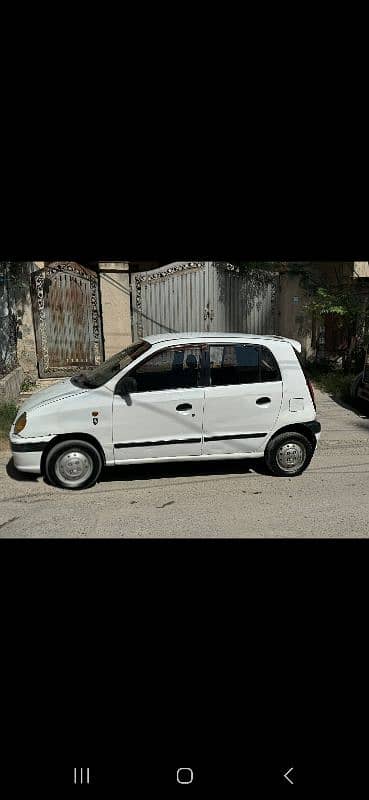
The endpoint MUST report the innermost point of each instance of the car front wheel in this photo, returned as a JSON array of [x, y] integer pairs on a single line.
[[288, 454], [73, 464]]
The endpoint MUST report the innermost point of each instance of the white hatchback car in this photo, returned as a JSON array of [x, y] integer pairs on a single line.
[[191, 396]]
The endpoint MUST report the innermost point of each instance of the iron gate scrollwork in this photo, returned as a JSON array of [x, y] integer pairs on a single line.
[[66, 311]]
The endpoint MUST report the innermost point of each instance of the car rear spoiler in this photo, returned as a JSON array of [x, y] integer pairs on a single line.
[[297, 345]]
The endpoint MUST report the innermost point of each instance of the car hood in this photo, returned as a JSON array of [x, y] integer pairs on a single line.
[[57, 392]]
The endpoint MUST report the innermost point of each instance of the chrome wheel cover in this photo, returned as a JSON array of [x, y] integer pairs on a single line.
[[73, 467], [291, 456]]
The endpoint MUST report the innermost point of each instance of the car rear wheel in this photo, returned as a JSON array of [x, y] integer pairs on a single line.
[[288, 454], [73, 464]]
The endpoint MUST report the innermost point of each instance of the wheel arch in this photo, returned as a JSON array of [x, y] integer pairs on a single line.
[[86, 437], [298, 427]]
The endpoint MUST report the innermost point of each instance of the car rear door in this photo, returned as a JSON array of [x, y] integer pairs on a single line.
[[243, 399]]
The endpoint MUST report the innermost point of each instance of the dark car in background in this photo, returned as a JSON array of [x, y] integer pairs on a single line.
[[360, 385]]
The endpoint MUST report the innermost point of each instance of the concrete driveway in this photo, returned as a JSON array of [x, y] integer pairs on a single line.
[[218, 499]]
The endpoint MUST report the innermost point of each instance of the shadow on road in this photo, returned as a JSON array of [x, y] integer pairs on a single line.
[[20, 476], [146, 472], [360, 411], [357, 410]]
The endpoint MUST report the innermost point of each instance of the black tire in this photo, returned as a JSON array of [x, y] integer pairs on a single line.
[[73, 454], [273, 455]]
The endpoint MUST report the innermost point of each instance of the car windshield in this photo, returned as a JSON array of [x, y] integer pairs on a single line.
[[102, 374]]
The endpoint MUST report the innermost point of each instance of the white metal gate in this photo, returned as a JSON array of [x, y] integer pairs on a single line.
[[203, 296]]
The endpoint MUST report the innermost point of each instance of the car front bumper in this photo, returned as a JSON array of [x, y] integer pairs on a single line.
[[27, 453]]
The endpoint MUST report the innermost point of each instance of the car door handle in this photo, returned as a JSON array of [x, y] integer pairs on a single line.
[[263, 401], [184, 407]]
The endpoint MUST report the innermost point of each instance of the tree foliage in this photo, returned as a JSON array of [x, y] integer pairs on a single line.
[[266, 268], [343, 300], [333, 295]]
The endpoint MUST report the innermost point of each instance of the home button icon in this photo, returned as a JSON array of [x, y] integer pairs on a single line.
[[184, 775]]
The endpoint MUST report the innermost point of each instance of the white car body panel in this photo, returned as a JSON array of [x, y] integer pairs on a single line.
[[139, 431], [153, 418], [56, 392], [233, 411], [62, 414], [200, 336]]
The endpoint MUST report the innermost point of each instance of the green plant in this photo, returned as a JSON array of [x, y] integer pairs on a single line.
[[343, 301], [8, 412], [255, 279], [334, 382], [28, 384]]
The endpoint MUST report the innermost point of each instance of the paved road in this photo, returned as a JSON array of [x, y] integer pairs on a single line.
[[219, 499]]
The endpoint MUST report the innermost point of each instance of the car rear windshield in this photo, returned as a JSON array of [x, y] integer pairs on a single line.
[[102, 374]]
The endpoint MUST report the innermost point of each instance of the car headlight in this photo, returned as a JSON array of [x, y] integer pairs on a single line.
[[20, 423]]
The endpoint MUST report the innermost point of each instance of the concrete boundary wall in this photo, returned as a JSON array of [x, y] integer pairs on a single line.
[[115, 306], [10, 386]]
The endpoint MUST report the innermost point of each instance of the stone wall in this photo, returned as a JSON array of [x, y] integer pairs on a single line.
[[10, 386], [294, 321], [17, 332], [26, 346], [8, 341]]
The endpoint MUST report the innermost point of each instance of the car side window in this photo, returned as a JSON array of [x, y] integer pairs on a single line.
[[173, 368], [242, 363], [268, 366], [234, 364]]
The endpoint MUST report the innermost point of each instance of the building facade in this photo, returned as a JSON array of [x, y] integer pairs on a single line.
[[69, 317]]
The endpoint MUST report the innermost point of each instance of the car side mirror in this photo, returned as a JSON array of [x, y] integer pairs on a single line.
[[125, 388]]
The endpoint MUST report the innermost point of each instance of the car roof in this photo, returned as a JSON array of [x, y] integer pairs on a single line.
[[221, 335]]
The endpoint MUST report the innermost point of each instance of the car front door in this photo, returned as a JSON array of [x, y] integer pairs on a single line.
[[243, 400], [163, 415]]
